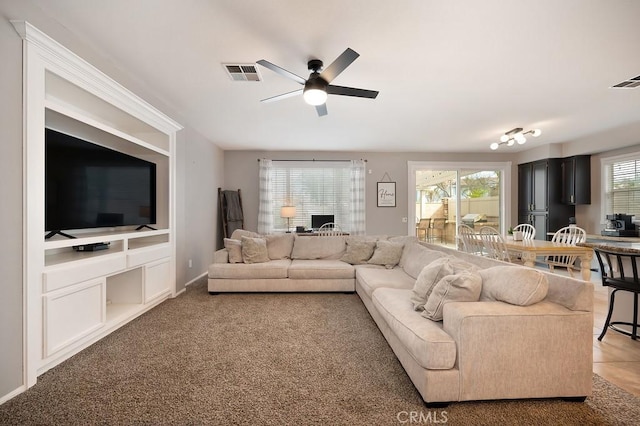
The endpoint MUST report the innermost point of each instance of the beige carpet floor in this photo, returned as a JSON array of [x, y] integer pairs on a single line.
[[266, 359]]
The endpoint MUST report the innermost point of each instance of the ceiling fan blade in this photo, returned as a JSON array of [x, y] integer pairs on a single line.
[[322, 110], [283, 96], [339, 65], [281, 71], [351, 91]]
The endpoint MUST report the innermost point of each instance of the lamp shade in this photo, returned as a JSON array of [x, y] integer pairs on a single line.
[[288, 211]]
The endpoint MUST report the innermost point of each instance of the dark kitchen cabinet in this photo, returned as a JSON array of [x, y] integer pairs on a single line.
[[539, 196], [576, 180]]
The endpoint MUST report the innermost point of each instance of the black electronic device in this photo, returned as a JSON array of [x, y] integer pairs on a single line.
[[91, 247], [90, 186], [317, 220]]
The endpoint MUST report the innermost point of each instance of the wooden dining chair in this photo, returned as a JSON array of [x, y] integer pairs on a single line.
[[571, 235], [528, 231], [437, 227], [471, 242], [329, 229], [494, 244], [620, 272]]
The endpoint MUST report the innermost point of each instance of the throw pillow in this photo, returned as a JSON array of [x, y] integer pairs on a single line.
[[387, 254], [254, 250], [358, 251], [279, 246], [514, 285], [432, 274], [234, 248], [463, 287], [237, 234]]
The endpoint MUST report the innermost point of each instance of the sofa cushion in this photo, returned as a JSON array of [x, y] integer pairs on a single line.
[[517, 286], [279, 246], [320, 269], [237, 234], [463, 287], [245, 271], [426, 341], [371, 277], [254, 250], [416, 256], [315, 247], [234, 248], [358, 251], [431, 274], [387, 254]]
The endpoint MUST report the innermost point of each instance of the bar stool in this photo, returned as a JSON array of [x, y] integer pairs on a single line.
[[619, 270]]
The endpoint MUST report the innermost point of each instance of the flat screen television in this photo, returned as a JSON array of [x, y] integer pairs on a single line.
[[317, 220], [90, 186]]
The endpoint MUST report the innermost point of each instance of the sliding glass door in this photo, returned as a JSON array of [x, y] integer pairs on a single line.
[[449, 194]]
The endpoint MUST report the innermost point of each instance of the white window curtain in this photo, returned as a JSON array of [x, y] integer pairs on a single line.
[[313, 188], [358, 206], [622, 185], [265, 209]]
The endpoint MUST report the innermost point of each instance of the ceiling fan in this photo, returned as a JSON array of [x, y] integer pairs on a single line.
[[317, 87]]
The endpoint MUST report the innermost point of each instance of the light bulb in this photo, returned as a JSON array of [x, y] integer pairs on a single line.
[[536, 133], [504, 138], [494, 146], [315, 96], [510, 142], [520, 138]]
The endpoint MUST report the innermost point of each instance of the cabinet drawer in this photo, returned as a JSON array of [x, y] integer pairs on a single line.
[[74, 272], [72, 314], [141, 256]]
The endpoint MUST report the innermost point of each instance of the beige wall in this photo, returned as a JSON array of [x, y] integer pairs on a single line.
[[241, 171], [198, 172]]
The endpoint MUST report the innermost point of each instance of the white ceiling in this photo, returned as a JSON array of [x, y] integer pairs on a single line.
[[452, 75]]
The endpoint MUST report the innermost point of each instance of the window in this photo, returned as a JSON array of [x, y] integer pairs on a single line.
[[314, 188], [621, 180]]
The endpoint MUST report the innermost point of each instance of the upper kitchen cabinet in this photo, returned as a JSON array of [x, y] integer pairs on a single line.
[[576, 180]]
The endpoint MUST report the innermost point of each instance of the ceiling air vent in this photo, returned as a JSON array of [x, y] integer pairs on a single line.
[[242, 72], [631, 83]]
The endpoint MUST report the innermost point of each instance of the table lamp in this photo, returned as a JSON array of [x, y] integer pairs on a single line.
[[288, 212]]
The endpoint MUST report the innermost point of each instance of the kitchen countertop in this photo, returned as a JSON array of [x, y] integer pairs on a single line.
[[621, 244]]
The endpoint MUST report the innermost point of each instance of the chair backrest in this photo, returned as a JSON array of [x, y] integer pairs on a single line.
[[424, 223], [570, 235], [619, 269], [471, 242], [494, 244], [329, 228], [528, 231], [438, 222]]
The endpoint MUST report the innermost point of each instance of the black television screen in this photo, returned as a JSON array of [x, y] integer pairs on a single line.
[[89, 186], [317, 220]]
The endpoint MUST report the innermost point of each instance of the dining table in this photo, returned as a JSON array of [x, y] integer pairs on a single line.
[[529, 250]]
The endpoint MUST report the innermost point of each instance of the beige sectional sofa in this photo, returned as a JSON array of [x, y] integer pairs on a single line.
[[514, 333]]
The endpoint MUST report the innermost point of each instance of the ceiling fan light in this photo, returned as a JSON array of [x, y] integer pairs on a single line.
[[315, 96]]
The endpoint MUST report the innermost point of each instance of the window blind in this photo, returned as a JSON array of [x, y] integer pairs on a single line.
[[622, 191], [313, 188]]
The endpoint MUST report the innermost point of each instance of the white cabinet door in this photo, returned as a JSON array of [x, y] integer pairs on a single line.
[[72, 314], [157, 279]]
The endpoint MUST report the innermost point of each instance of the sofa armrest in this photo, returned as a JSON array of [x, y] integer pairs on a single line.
[[221, 256], [506, 351]]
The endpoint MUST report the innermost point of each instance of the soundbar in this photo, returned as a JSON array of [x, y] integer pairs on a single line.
[[91, 247]]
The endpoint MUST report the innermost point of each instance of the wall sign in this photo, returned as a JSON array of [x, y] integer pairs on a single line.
[[386, 194]]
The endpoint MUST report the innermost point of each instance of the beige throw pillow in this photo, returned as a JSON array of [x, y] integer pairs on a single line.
[[358, 251], [463, 287], [279, 246], [432, 274], [234, 248], [387, 254], [254, 250], [517, 286]]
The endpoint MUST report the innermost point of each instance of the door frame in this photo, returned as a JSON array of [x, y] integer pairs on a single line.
[[505, 186]]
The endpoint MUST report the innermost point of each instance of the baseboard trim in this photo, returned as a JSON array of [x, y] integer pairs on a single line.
[[12, 394], [195, 279]]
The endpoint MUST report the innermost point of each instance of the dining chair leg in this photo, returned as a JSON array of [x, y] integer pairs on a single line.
[[606, 322]]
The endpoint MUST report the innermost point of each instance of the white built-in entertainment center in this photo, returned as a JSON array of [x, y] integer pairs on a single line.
[[74, 298]]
